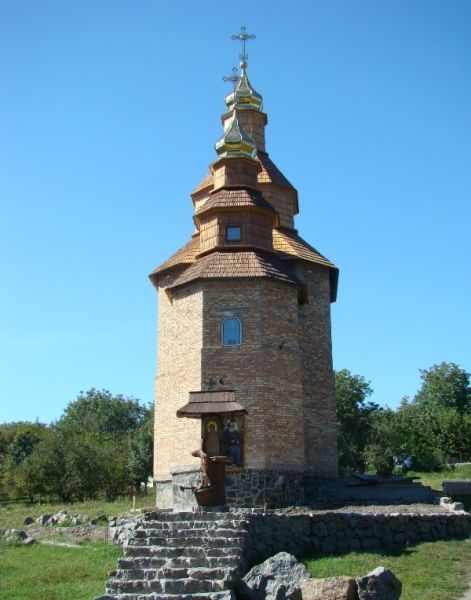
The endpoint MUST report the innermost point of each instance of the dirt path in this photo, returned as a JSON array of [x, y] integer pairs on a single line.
[[467, 594]]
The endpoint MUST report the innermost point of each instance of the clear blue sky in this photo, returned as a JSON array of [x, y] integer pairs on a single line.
[[109, 111]]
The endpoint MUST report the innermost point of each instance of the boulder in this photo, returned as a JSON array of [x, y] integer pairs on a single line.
[[380, 584], [121, 529], [79, 519], [277, 578], [99, 517], [43, 519], [330, 588], [28, 520], [15, 535], [28, 541], [58, 518]]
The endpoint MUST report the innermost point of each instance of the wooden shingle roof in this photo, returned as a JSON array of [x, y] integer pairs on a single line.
[[236, 264], [235, 197], [211, 402], [207, 182], [288, 243], [268, 174], [185, 255], [291, 246]]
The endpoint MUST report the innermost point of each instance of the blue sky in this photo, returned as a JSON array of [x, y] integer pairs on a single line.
[[109, 111]]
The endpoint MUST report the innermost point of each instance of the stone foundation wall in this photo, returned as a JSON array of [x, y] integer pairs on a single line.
[[245, 489], [271, 488], [343, 532], [164, 494], [182, 482]]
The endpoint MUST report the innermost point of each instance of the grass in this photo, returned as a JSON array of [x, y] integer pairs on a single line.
[[435, 479], [45, 572], [55, 573], [12, 515], [431, 571]]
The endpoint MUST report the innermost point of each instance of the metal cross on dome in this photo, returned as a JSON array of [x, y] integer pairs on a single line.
[[234, 78], [243, 36]]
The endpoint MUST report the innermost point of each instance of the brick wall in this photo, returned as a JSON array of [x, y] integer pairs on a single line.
[[178, 372], [264, 370], [282, 372], [320, 429]]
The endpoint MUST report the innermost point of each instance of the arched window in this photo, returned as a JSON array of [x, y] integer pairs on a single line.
[[231, 332]]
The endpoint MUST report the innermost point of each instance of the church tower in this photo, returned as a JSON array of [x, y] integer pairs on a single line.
[[244, 344]]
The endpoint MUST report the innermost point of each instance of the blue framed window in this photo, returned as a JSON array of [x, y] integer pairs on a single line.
[[233, 233], [231, 332]]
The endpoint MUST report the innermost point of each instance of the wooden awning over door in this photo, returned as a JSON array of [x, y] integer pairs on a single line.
[[211, 403]]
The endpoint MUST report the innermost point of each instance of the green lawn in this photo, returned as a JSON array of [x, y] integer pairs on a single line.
[[435, 479], [429, 571], [13, 514], [41, 572], [44, 572]]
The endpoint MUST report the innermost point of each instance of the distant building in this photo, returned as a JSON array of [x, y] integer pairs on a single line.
[[244, 324]]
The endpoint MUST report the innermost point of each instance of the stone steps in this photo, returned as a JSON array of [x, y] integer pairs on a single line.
[[180, 556], [225, 595], [207, 525], [186, 562], [183, 541], [166, 572], [185, 585], [176, 551], [189, 533]]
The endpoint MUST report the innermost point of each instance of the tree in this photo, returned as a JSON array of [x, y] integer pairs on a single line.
[[46, 467], [140, 457], [17, 442], [447, 386], [100, 412], [23, 446], [353, 416]]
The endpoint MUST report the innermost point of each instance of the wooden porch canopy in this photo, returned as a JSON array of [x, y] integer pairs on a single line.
[[211, 403]]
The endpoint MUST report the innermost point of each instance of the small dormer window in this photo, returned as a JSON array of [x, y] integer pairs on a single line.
[[233, 233]]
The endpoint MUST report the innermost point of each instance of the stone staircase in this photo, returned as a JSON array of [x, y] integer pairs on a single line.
[[181, 556]]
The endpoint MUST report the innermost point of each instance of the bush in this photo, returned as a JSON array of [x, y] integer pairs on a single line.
[[379, 459]]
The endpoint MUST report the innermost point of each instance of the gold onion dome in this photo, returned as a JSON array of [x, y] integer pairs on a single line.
[[235, 142], [244, 96]]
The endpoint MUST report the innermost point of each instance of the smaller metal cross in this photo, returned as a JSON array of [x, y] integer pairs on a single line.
[[243, 36], [234, 78]]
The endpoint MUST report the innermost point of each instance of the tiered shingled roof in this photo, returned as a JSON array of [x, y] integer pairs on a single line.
[[236, 264], [269, 174], [235, 197], [288, 243], [185, 255]]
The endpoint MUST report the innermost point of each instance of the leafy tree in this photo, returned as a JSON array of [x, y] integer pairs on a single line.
[[23, 445], [353, 416], [114, 476], [100, 412], [140, 457], [447, 386], [17, 442], [46, 467]]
